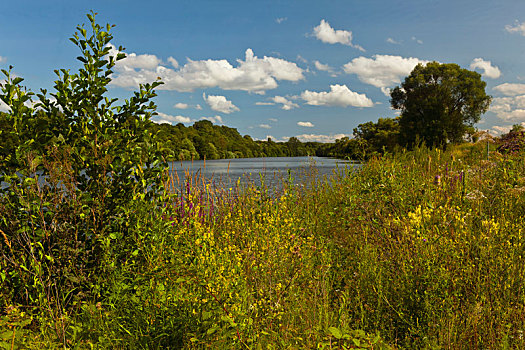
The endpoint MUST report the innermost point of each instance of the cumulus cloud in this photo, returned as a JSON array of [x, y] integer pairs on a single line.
[[264, 103], [286, 104], [272, 120], [2, 59], [489, 70], [198, 107], [327, 34], [134, 61], [339, 95], [510, 89], [265, 126], [220, 104], [181, 105], [321, 138], [281, 20], [382, 71], [511, 109], [516, 28], [252, 74], [305, 124], [163, 118]]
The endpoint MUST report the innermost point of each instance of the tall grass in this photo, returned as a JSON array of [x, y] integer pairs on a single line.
[[422, 249]]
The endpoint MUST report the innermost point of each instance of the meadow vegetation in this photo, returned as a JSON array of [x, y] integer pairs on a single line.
[[414, 249], [422, 249]]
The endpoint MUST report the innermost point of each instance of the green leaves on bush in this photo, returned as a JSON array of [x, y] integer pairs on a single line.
[[70, 166]]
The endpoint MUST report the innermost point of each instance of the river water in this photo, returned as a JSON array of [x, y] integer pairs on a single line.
[[272, 170]]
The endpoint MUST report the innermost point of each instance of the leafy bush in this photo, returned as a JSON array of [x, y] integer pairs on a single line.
[[73, 167]]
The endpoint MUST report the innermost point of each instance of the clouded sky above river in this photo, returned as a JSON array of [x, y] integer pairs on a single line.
[[311, 69]]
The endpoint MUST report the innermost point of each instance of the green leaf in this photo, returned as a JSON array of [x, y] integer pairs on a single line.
[[17, 80], [335, 332], [212, 330]]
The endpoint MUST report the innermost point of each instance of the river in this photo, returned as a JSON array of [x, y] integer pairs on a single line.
[[271, 170]]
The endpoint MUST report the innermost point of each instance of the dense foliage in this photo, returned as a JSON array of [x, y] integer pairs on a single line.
[[203, 140], [369, 139], [73, 168], [439, 103]]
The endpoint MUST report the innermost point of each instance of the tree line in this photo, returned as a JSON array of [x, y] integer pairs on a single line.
[[204, 140]]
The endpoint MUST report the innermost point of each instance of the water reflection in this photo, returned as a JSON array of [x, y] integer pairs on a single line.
[[272, 170]]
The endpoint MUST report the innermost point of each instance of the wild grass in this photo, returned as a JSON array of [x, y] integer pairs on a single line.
[[421, 249]]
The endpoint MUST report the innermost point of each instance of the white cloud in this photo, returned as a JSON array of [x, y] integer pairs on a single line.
[[511, 109], [510, 89], [198, 107], [489, 70], [162, 118], [220, 104], [252, 74], [321, 138], [134, 61], [281, 19], [272, 120], [516, 28], [215, 120], [392, 41], [339, 95], [327, 34], [265, 126], [181, 105], [173, 62], [305, 124], [382, 71], [286, 104], [264, 103], [2, 59], [323, 67]]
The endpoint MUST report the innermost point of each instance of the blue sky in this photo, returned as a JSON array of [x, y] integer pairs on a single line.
[[311, 69]]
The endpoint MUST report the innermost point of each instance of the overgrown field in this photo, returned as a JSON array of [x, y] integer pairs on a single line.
[[423, 249]]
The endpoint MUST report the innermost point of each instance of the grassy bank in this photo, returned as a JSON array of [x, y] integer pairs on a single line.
[[421, 249]]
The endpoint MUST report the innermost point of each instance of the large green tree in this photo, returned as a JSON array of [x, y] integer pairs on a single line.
[[439, 103]]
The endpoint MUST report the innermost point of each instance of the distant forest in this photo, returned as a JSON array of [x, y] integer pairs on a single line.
[[204, 140]]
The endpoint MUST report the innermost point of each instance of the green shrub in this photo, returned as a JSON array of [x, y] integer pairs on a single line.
[[73, 167]]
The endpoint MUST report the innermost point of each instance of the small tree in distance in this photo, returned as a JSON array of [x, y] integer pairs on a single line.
[[439, 103]]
